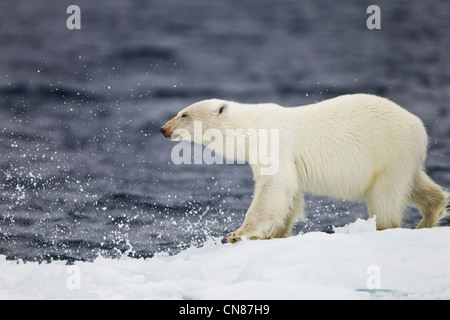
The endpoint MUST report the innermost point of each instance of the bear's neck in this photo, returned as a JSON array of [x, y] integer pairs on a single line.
[[247, 117], [249, 128]]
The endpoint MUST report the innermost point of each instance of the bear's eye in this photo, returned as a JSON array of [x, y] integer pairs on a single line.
[[184, 115]]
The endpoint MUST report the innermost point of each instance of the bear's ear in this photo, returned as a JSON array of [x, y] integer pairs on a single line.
[[222, 108]]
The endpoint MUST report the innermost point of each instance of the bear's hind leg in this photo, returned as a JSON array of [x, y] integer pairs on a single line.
[[429, 198], [387, 200]]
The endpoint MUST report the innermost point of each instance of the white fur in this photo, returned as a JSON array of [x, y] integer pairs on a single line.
[[353, 147]]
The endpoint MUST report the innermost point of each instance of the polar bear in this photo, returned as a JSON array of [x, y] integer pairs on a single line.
[[352, 147]]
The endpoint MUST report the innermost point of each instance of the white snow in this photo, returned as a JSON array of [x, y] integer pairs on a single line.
[[356, 262]]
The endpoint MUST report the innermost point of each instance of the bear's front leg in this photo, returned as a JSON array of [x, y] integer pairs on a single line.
[[270, 206]]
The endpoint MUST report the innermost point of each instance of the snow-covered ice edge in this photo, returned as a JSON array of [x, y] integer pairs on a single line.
[[356, 262]]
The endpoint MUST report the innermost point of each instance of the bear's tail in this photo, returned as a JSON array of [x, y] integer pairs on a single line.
[[445, 220]]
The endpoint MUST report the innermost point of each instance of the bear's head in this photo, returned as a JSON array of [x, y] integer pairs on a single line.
[[192, 122], [233, 130]]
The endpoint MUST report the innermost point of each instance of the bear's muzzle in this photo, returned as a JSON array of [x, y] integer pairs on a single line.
[[167, 133]]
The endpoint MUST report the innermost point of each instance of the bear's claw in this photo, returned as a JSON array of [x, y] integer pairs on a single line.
[[232, 237]]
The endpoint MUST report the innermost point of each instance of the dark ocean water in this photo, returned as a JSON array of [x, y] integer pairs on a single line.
[[84, 170]]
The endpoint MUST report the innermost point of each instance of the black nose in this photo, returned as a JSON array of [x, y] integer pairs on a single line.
[[163, 131]]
